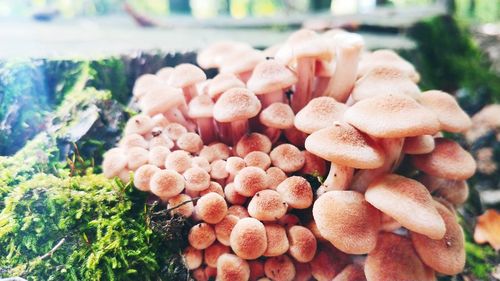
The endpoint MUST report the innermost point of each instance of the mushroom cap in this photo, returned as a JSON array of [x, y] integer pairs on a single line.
[[296, 192], [346, 220], [451, 117], [277, 242], [303, 244], [221, 150], [201, 236], [419, 144], [256, 270], [185, 209], [186, 74], [164, 73], [234, 164], [190, 142], [454, 192], [385, 57], [201, 106], [166, 183], [231, 268], [275, 176], [328, 262], [287, 157], [212, 55], [250, 180], [192, 257], [224, 228], [313, 165], [175, 131], [395, 259], [114, 162], [136, 157], [160, 140], [242, 60], [253, 142], [344, 145], [223, 82], [142, 176], [213, 187], [236, 104], [232, 196], [218, 169], [303, 43], [161, 100], [211, 208], [213, 252], [139, 124], [267, 205], [447, 255], [158, 155], [210, 272], [201, 162], [280, 268], [248, 238], [277, 115], [392, 116], [319, 113], [352, 272], [257, 159], [269, 76], [159, 120], [448, 160], [144, 83], [302, 271], [295, 136], [133, 140], [199, 274], [239, 211], [289, 220], [178, 160], [408, 202]]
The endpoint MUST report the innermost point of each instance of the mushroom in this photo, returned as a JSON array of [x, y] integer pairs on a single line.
[[213, 252], [422, 144], [256, 270], [277, 242], [166, 100], [186, 76], [303, 244], [201, 236], [211, 208], [352, 272], [190, 142], [384, 57], [242, 63], [223, 82], [174, 131], [166, 184], [232, 196], [302, 271], [280, 268], [221, 150], [287, 157], [181, 204], [239, 211], [276, 117], [178, 160], [234, 164], [267, 205], [139, 124], [114, 162], [192, 257], [133, 140], [253, 142], [142, 176], [453, 191], [296, 192], [248, 239], [199, 274], [224, 228], [275, 176], [319, 113], [201, 162], [136, 157], [328, 262], [250, 180], [212, 55], [211, 272], [197, 179], [232, 268], [257, 159], [289, 220], [146, 83], [213, 187], [218, 170], [313, 165], [164, 73], [157, 156], [201, 110]]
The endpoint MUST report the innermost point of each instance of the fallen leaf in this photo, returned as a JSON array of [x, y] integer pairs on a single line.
[[488, 229]]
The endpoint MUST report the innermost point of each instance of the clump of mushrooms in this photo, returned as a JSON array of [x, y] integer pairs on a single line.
[[237, 155]]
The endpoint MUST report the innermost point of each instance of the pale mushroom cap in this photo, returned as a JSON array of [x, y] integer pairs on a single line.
[[250, 180], [114, 163], [386, 57], [257, 159], [408, 202], [236, 104], [213, 187], [136, 157], [277, 242], [190, 142], [186, 74], [159, 120], [448, 160], [142, 176], [178, 161], [232, 196], [352, 272], [158, 155], [241, 61], [275, 176], [392, 116], [181, 205], [166, 184], [313, 165], [253, 142], [395, 259], [303, 244], [239, 211], [215, 53], [287, 157], [197, 179], [201, 162], [231, 268], [222, 151], [223, 82], [269, 76], [175, 131], [213, 252], [344, 145], [447, 255], [303, 43], [161, 100], [248, 238], [164, 73], [277, 115], [267, 205], [218, 170], [454, 192], [133, 140], [296, 192], [346, 220], [280, 268], [419, 145], [192, 257], [201, 236], [160, 139], [256, 270], [319, 113], [451, 117], [125, 175], [224, 228], [328, 262], [234, 164], [145, 83], [201, 106], [139, 124], [211, 208]]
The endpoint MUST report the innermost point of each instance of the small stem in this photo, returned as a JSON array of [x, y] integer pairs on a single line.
[[238, 129], [51, 252], [339, 177], [182, 204], [305, 83], [270, 98], [206, 129], [224, 130]]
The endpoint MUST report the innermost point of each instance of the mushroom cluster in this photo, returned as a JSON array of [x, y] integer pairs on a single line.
[[233, 154]]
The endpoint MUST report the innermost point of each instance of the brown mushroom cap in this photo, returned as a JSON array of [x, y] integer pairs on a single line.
[[319, 113], [178, 160], [448, 160], [277, 115], [223, 82], [250, 180], [408, 202], [136, 157], [328, 262], [344, 145], [192, 257], [277, 242], [231, 268], [197, 179], [139, 124], [213, 252], [211, 208], [248, 238], [296, 192], [253, 142], [352, 272], [257, 159], [303, 244], [114, 162], [454, 192], [267, 205], [395, 259], [181, 205], [392, 116], [269, 76], [287, 157], [289, 220], [446, 255], [236, 104], [224, 228], [186, 74], [199, 274], [232, 196], [419, 145], [280, 268], [275, 176], [201, 236], [143, 176], [346, 220], [451, 117], [166, 183], [302, 271], [158, 155], [256, 270]]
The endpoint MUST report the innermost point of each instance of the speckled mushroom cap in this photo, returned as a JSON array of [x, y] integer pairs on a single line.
[[132, 140], [296, 192], [192, 257], [269, 76], [236, 104], [248, 238], [139, 124], [387, 57], [190, 142], [275, 176], [181, 205], [303, 244], [392, 116], [384, 80], [346, 220], [250, 180], [448, 160], [419, 145], [408, 202], [303, 43], [239, 211], [223, 82], [267, 205], [201, 106], [201, 236], [114, 162], [232, 196], [257, 159], [136, 157], [186, 74], [224, 228], [232, 268], [161, 100], [395, 259], [328, 262], [454, 192], [344, 145], [212, 55], [447, 255], [253, 142], [277, 242], [451, 117], [145, 83], [277, 115], [211, 208], [242, 61], [213, 252], [287, 157], [166, 183], [280, 268], [178, 160], [143, 176], [319, 113], [352, 272]]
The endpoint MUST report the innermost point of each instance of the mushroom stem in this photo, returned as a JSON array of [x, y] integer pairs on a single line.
[[224, 130], [238, 129], [339, 177], [305, 83], [244, 76], [190, 92], [175, 115], [270, 98], [321, 86], [206, 129], [273, 134]]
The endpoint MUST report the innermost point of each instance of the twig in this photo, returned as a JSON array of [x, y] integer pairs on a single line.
[[51, 252], [181, 204]]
